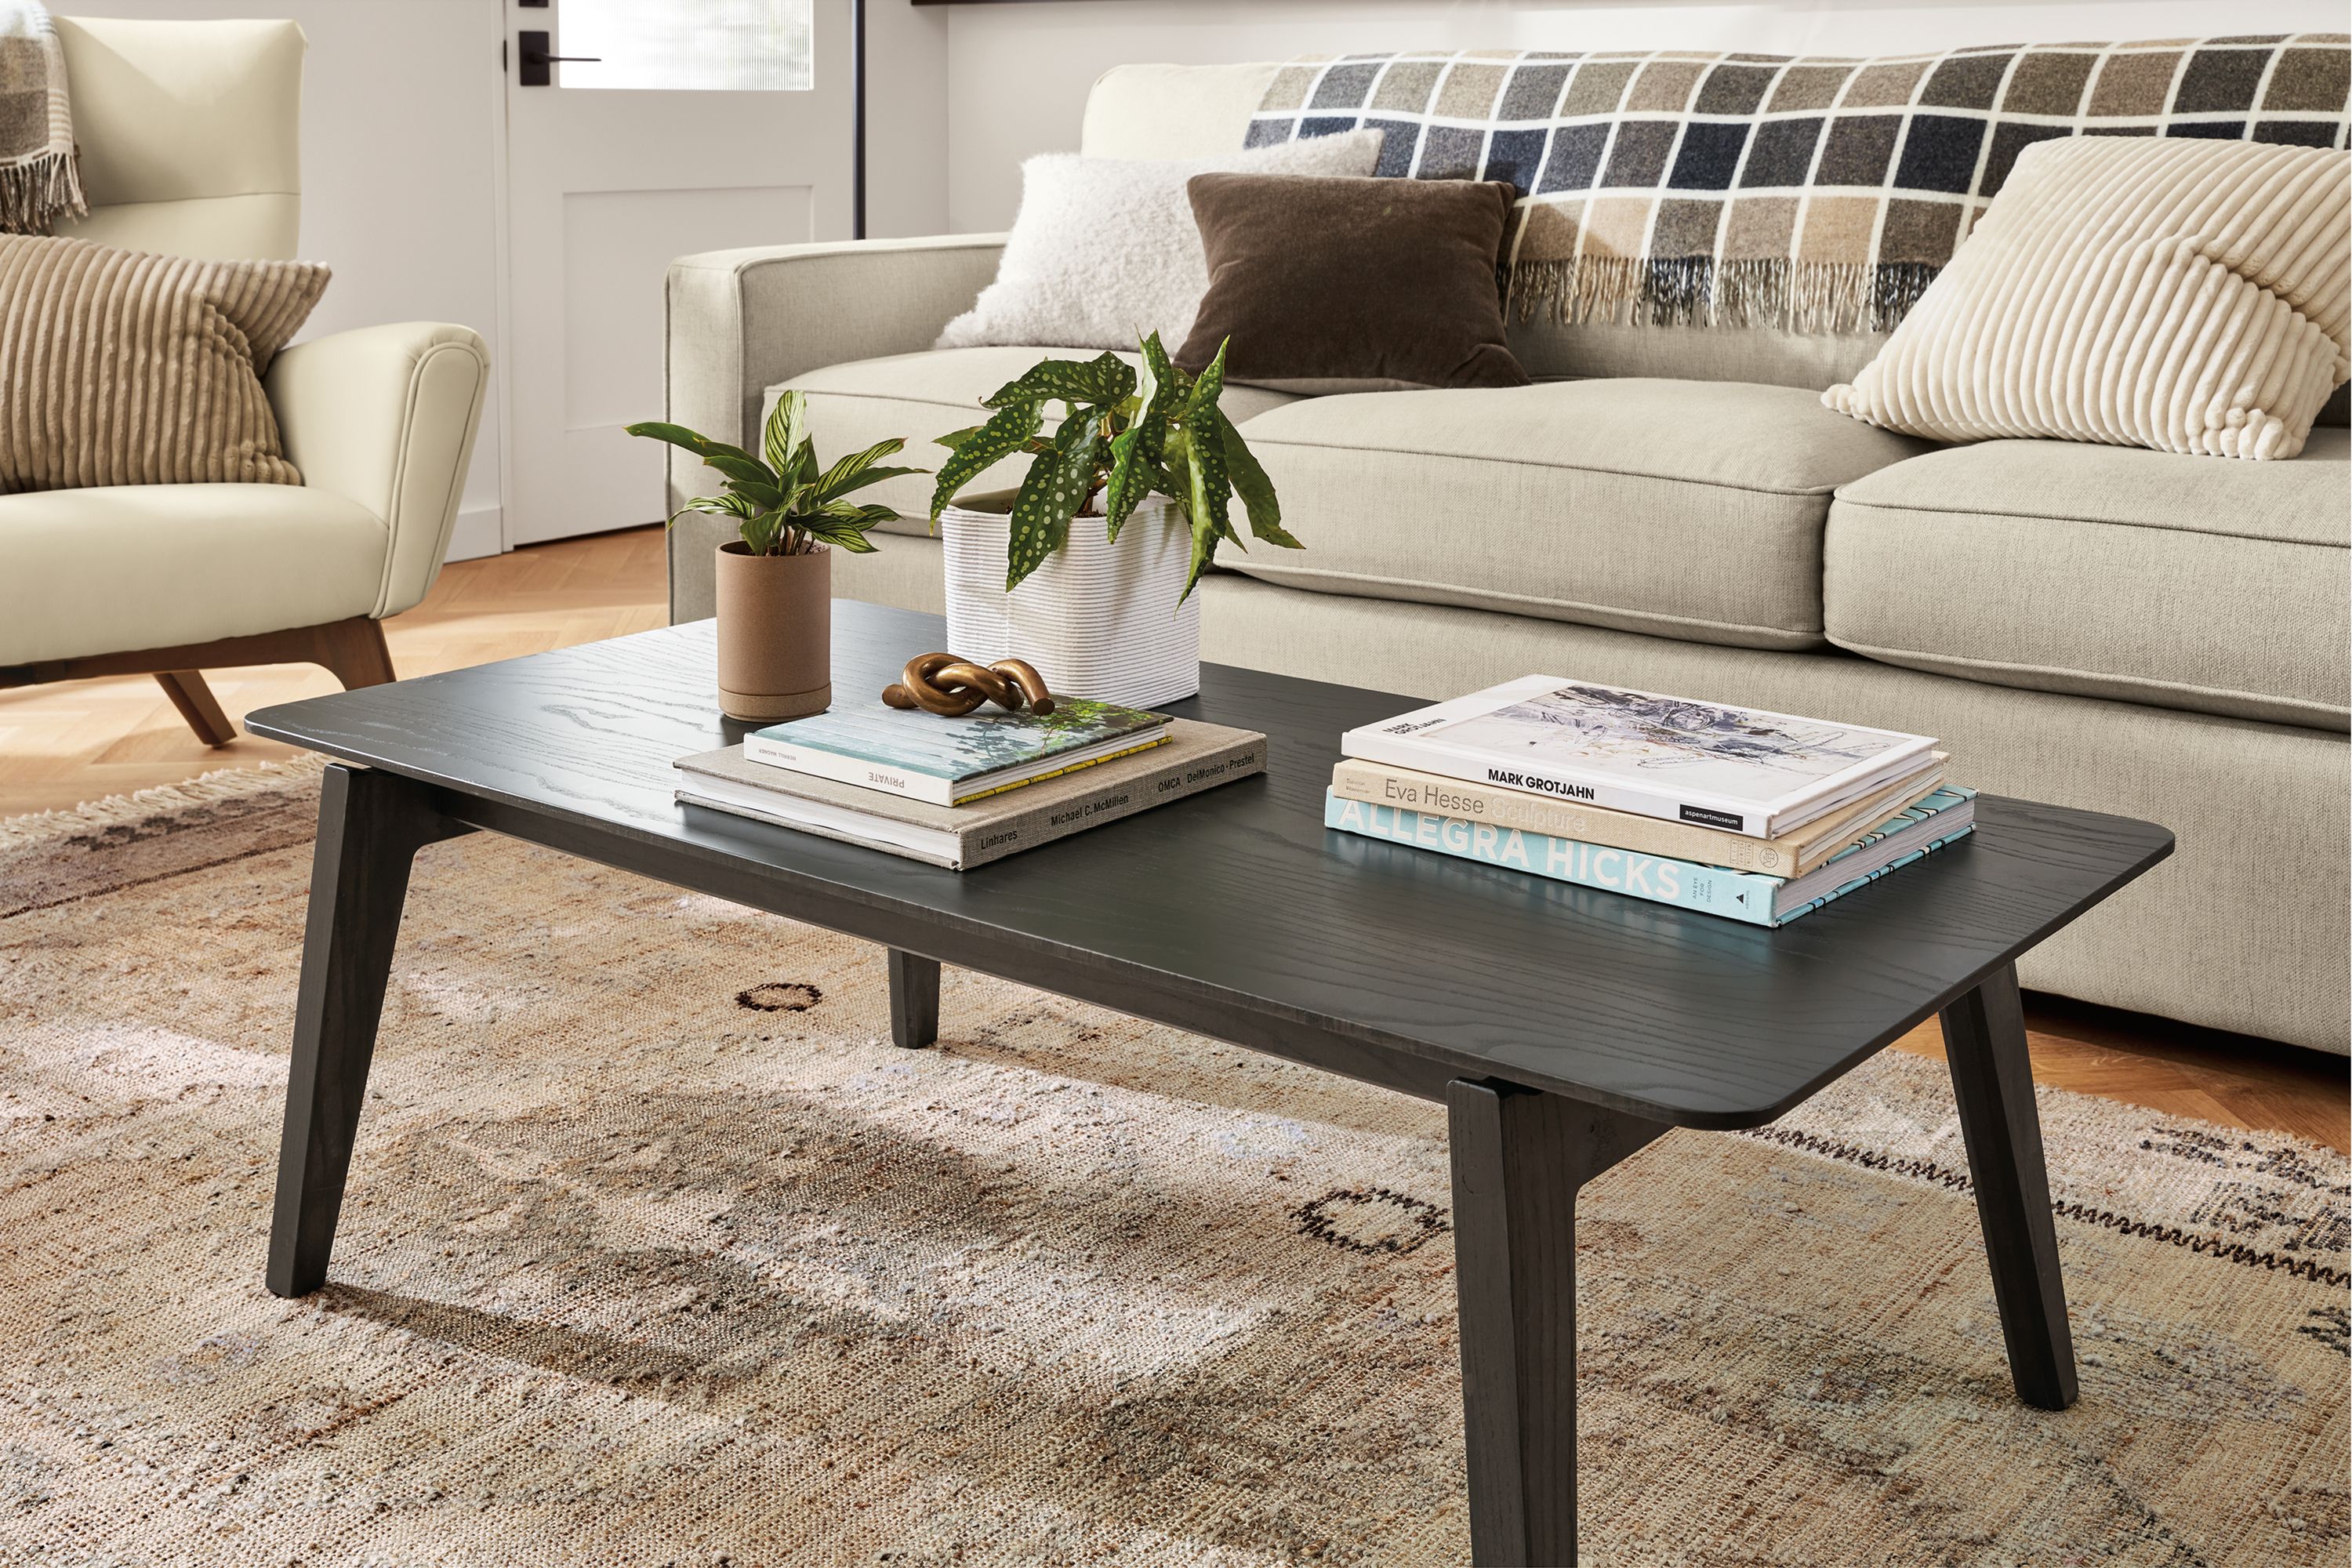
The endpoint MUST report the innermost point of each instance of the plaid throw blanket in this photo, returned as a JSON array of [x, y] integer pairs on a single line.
[[1819, 194], [40, 177]]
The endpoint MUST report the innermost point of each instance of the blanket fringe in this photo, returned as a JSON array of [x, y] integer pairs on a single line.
[[1701, 292], [35, 192]]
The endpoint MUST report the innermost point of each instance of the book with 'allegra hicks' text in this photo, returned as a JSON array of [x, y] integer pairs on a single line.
[[1935, 822]]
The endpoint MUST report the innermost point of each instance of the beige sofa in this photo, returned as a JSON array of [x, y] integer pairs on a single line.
[[190, 137], [2158, 636]]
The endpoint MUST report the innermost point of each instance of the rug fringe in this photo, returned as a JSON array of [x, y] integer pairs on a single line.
[[221, 784]]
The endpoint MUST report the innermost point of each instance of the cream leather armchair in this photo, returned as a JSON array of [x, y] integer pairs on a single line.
[[189, 136]]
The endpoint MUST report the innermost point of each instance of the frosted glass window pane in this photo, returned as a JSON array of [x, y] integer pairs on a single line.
[[696, 45]]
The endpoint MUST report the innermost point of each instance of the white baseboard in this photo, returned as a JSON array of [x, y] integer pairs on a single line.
[[478, 531]]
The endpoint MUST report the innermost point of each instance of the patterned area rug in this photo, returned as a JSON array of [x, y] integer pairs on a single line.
[[658, 1252]]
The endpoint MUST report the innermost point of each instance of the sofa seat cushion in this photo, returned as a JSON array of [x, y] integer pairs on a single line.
[[1684, 509], [924, 396], [118, 568], [2113, 571]]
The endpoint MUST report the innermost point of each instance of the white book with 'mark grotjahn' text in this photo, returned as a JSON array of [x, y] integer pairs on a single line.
[[1743, 770]]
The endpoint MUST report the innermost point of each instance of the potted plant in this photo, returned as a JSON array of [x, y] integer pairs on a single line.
[[1088, 571], [775, 578]]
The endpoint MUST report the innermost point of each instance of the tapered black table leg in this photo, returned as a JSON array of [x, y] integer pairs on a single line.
[[1984, 1037], [914, 999], [1519, 1159], [370, 826]]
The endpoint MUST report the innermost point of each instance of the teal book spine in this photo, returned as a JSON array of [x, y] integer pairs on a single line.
[[1736, 895], [1684, 884]]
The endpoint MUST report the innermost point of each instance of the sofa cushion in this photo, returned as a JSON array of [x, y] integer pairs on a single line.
[[123, 567], [924, 396], [2107, 572], [1686, 508]]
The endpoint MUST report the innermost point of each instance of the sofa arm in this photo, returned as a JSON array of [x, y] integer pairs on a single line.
[[741, 321], [386, 417]]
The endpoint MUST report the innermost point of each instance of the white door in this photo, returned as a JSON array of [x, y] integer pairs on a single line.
[[698, 125]]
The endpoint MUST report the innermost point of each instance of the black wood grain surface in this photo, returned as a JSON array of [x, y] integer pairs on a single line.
[[1236, 912]]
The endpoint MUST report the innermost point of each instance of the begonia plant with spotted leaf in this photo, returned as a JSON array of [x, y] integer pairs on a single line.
[[1124, 435]]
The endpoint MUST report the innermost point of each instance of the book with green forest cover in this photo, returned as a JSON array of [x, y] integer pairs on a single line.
[[948, 761]]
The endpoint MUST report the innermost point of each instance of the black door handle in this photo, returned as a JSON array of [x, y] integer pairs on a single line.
[[532, 46]]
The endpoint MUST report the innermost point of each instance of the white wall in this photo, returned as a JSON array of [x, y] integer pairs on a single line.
[[906, 119], [1017, 75]]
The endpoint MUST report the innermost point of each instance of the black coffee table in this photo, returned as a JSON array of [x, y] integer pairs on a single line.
[[1563, 1027]]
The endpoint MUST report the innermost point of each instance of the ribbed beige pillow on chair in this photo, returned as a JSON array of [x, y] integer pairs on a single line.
[[121, 368], [2192, 296]]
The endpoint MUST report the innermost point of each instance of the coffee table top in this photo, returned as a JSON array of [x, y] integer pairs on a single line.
[[1236, 913]]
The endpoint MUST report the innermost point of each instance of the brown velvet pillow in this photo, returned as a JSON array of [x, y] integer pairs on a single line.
[[1328, 284]]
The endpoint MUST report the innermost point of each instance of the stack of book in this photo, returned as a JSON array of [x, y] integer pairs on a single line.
[[1756, 816], [964, 791]]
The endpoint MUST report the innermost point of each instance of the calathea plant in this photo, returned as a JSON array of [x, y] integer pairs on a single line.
[[1124, 436], [787, 505]]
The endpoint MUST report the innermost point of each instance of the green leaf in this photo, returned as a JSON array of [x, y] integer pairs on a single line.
[[1031, 518], [1080, 443], [763, 496], [1207, 387], [733, 461], [1002, 436], [742, 470], [1042, 512], [872, 477], [955, 438], [1251, 485], [844, 523], [1209, 492], [1205, 550], [865, 514], [702, 447], [787, 428], [1104, 379], [855, 472], [1155, 360], [1136, 451], [717, 506], [761, 531]]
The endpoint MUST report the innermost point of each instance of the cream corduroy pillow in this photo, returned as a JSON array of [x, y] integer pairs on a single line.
[[2192, 296]]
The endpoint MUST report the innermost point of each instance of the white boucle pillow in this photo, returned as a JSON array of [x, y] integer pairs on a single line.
[[2186, 295], [1105, 250]]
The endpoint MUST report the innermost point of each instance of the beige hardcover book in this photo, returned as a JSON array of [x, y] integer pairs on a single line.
[[1195, 757], [1378, 784]]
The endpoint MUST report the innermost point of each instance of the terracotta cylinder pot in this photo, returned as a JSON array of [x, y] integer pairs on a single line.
[[775, 634]]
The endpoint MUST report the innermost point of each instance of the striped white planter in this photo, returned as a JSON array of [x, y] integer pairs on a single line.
[[1097, 619]]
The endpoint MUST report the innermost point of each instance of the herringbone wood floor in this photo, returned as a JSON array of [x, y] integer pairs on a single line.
[[60, 745]]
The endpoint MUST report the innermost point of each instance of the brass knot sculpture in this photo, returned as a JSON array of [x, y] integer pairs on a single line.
[[943, 684]]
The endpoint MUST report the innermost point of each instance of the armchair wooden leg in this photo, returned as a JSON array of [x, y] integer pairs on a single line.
[[195, 700], [354, 652]]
